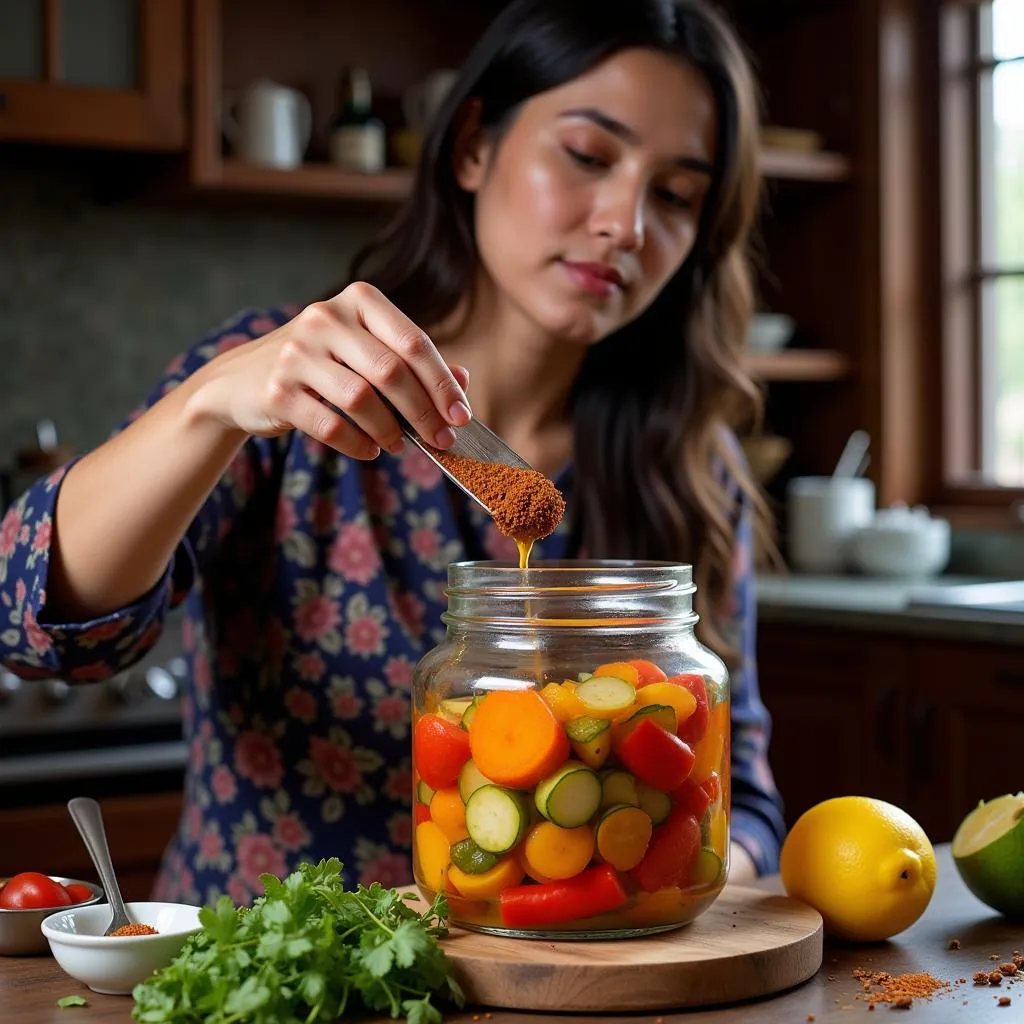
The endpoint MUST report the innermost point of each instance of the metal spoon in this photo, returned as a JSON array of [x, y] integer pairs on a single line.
[[472, 441], [88, 819]]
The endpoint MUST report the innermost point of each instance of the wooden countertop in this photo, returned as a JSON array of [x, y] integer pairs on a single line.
[[31, 986]]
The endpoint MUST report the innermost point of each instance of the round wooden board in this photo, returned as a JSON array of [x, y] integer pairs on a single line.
[[747, 944]]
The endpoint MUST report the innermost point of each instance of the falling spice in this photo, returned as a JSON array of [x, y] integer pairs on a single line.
[[953, 944], [995, 978], [980, 977], [133, 929], [1003, 1001], [901, 990], [524, 503], [1008, 969]]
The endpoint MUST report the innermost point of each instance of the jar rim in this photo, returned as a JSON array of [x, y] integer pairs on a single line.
[[555, 575]]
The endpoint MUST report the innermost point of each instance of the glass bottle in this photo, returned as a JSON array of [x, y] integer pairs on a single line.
[[571, 752], [357, 139]]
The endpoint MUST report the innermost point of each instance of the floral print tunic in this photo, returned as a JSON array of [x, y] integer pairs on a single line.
[[312, 585]]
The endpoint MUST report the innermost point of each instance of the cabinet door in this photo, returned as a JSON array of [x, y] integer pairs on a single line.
[[836, 698], [966, 730], [107, 73]]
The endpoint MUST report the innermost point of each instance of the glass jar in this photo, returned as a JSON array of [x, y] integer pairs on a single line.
[[571, 752]]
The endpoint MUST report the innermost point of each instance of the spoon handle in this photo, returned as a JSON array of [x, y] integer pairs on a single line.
[[88, 819]]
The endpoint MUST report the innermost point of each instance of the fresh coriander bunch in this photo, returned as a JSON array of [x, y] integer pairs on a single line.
[[307, 951]]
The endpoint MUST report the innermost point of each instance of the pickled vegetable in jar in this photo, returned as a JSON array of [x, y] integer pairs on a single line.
[[571, 752]]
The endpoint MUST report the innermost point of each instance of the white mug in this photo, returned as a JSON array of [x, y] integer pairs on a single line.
[[268, 124], [824, 513]]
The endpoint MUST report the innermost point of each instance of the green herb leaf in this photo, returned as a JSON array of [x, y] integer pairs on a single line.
[[67, 1001], [306, 952]]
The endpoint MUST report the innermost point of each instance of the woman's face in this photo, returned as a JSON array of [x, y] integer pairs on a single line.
[[591, 200]]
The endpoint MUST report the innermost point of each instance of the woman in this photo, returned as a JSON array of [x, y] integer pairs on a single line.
[[574, 248]]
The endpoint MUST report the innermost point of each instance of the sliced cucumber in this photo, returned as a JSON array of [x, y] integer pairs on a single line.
[[570, 797], [708, 868], [655, 802], [590, 739], [497, 818], [606, 696], [584, 676], [470, 780], [424, 793], [618, 787], [468, 714], [468, 857], [454, 708], [660, 714]]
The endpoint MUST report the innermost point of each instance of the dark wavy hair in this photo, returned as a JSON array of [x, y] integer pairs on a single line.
[[656, 465]]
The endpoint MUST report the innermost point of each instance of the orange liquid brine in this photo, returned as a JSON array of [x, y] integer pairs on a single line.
[[595, 807]]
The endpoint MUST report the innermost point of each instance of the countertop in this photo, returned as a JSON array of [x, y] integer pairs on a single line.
[[31, 986], [881, 605]]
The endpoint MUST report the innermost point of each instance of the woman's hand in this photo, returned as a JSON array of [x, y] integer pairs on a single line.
[[338, 357]]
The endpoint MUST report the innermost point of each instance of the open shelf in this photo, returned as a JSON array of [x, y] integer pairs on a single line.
[[325, 182], [797, 365], [804, 165]]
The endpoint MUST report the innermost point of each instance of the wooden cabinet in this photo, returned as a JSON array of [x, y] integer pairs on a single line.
[[836, 705], [932, 726], [138, 830], [104, 73]]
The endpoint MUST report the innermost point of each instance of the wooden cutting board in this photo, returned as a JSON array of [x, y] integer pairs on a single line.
[[747, 944]]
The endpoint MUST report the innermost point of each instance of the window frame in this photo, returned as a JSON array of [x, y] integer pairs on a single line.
[[956, 134]]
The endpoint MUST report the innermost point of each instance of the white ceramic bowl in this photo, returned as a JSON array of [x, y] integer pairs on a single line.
[[114, 966], [19, 929], [911, 550], [769, 332]]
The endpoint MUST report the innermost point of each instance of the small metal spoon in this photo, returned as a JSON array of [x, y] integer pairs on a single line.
[[88, 819]]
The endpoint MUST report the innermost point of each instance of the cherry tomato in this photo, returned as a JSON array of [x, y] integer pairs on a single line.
[[78, 892], [33, 891]]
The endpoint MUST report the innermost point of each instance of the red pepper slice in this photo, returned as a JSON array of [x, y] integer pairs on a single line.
[[656, 757], [691, 798], [712, 785], [671, 854], [421, 813], [439, 750], [597, 890], [693, 729]]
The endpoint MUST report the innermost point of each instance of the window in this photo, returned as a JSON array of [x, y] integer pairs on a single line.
[[983, 213]]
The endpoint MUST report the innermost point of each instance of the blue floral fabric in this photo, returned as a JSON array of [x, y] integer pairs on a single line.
[[312, 585]]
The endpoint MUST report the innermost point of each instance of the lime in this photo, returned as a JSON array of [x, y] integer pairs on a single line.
[[988, 850]]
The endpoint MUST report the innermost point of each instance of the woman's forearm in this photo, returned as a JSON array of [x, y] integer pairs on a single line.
[[124, 507]]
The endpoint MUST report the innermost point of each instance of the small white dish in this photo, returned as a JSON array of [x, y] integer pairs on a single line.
[[115, 965]]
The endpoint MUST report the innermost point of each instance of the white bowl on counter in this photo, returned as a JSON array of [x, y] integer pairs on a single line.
[[114, 965], [901, 542], [19, 929]]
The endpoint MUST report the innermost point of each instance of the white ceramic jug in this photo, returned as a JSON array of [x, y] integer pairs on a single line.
[[268, 124]]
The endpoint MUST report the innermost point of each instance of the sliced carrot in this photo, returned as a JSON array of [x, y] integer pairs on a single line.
[[562, 699], [515, 738], [676, 697], [623, 835], [488, 884], [433, 855], [621, 670], [449, 813], [556, 853], [648, 672]]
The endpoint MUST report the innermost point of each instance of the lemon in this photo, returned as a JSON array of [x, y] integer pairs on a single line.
[[866, 866], [988, 850]]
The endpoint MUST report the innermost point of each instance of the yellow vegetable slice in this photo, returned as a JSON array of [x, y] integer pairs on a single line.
[[606, 696], [554, 852], [488, 884]]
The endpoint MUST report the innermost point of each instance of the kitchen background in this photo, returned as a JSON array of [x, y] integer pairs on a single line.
[[135, 215]]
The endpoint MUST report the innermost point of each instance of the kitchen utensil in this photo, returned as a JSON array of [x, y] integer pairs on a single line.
[[114, 965], [19, 929], [823, 513], [747, 944], [88, 819], [268, 124], [852, 456], [472, 441], [901, 542]]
